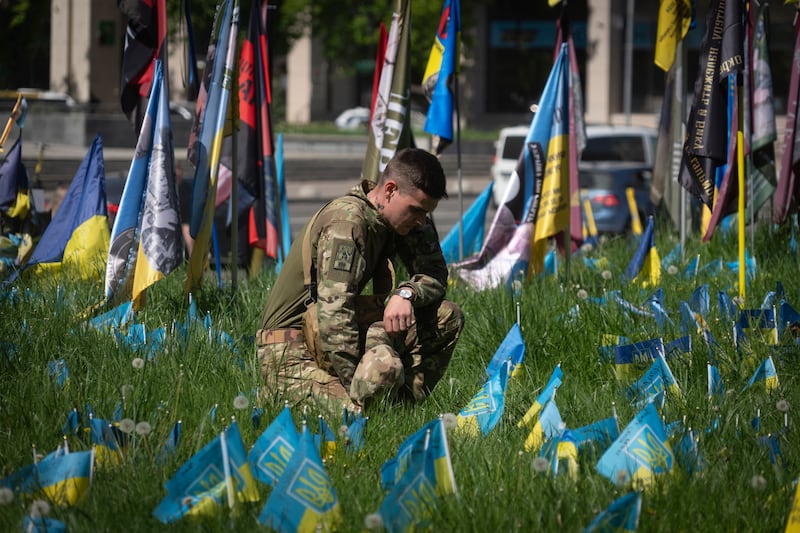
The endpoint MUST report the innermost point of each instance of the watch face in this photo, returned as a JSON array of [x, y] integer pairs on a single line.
[[405, 293]]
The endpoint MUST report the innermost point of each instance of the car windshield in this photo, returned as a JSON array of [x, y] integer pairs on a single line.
[[617, 148], [596, 180], [513, 147]]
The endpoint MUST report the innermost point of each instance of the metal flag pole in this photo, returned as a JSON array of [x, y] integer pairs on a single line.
[[458, 167]]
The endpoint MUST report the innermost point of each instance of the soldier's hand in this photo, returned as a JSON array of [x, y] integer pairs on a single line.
[[398, 315]]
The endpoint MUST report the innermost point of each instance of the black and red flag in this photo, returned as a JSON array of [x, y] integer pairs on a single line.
[[256, 169], [145, 40]]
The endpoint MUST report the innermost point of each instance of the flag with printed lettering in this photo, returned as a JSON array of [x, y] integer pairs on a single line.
[[274, 448], [304, 498], [721, 55], [601, 433], [658, 379], [62, 478], [438, 81], [485, 409], [765, 374], [390, 126], [628, 357], [640, 453], [215, 477], [535, 203], [431, 440]]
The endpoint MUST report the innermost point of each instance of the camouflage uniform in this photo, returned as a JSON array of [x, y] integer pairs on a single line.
[[356, 359]]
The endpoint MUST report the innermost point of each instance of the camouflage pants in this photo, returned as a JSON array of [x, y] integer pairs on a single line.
[[405, 366]]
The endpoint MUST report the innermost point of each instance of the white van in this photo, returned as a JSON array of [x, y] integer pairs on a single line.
[[604, 143]]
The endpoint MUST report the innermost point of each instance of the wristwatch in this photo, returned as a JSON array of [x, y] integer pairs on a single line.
[[405, 292]]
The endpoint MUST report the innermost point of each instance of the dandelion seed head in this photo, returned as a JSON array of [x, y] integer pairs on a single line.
[[143, 428], [138, 363], [587, 247], [40, 508], [606, 275], [516, 285], [343, 430], [373, 521], [672, 270], [240, 402], [582, 294], [126, 425], [782, 406], [450, 420], [758, 483], [541, 465], [6, 495], [127, 390]]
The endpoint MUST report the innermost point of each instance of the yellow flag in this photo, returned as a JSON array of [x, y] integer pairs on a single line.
[[674, 17]]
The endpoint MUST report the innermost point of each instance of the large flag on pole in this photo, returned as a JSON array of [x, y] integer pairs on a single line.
[[721, 55], [474, 221], [438, 82], [787, 194], [389, 129], [78, 235], [507, 247], [146, 242], [15, 200], [256, 169], [209, 148], [145, 41], [674, 18]]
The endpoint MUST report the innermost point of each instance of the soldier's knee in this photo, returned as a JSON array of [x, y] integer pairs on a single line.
[[450, 317], [380, 371]]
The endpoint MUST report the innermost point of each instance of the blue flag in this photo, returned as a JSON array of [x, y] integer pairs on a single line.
[[765, 373], [548, 425], [14, 187], [485, 410], [116, 318], [621, 515], [545, 396], [78, 235], [627, 357], [715, 385], [756, 322], [430, 440], [441, 71], [601, 433], [274, 448], [62, 478], [325, 440], [561, 450], [213, 477], [645, 266], [304, 498], [474, 221], [512, 348], [657, 379], [640, 452]]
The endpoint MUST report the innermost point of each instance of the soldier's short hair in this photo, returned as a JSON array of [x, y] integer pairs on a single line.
[[420, 169]]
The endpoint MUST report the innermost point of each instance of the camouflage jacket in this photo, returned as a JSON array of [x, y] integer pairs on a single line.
[[350, 245]]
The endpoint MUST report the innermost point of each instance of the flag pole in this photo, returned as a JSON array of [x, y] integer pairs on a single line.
[[10, 121], [234, 175], [741, 176], [458, 166], [226, 468]]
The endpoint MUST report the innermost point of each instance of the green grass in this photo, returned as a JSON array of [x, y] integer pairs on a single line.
[[498, 487]]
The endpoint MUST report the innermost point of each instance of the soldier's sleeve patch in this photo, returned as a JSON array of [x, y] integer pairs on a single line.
[[343, 255]]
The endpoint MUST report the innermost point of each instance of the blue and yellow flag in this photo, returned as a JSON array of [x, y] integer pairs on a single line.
[[15, 200], [640, 452], [116, 318], [548, 425], [62, 478], [601, 433], [645, 267], [765, 373], [212, 130], [715, 385], [411, 502], [630, 356], [439, 78], [657, 379], [108, 439], [622, 515], [474, 221], [755, 323], [77, 237], [561, 450], [355, 425], [674, 18], [485, 409], [545, 396], [274, 448], [146, 242], [304, 499], [430, 440], [214, 477], [512, 348], [325, 439]]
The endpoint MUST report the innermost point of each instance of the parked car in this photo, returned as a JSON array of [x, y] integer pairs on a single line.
[[626, 147], [605, 185], [353, 119]]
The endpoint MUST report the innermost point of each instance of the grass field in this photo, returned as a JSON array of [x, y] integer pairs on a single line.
[[738, 488]]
